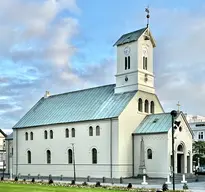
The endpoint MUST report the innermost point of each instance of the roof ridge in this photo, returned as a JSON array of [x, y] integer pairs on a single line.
[[142, 29], [79, 90]]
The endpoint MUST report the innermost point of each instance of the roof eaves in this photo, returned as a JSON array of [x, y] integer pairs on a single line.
[[150, 133]]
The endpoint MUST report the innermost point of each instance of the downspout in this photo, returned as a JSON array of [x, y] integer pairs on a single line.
[[16, 152], [133, 156], [111, 148]]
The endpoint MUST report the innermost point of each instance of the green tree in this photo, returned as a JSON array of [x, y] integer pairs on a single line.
[[199, 152]]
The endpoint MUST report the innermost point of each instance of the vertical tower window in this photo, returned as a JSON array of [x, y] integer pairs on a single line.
[[67, 133], [152, 107], [126, 63], [146, 106], [145, 63], [70, 156], [90, 131], [48, 156], [73, 132], [45, 135], [29, 157], [51, 134], [140, 104], [98, 131], [94, 156]]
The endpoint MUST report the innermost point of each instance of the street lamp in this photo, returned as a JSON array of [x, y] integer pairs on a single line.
[[74, 174], [173, 114]]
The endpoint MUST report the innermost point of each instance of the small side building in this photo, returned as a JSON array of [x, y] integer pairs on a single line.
[[152, 146], [9, 153], [2, 148]]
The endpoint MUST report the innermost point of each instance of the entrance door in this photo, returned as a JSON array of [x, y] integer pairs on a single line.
[[180, 163]]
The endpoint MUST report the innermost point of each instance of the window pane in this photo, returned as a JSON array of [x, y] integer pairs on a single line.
[[97, 130], [73, 132], [94, 156], [128, 62], [48, 157], [67, 133], [45, 134], [70, 156], [90, 131], [125, 63]]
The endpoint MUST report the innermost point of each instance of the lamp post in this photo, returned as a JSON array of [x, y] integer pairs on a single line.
[[173, 114], [74, 174]]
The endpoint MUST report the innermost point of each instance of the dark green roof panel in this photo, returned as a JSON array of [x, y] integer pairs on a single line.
[[155, 123], [88, 104], [130, 37]]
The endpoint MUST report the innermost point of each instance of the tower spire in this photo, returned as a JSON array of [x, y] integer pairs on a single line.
[[148, 15]]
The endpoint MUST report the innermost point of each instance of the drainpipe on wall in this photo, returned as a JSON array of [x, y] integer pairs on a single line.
[[16, 152], [111, 148], [133, 155]]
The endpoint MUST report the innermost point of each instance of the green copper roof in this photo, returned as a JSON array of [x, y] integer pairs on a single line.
[[130, 37], [155, 123], [88, 104]]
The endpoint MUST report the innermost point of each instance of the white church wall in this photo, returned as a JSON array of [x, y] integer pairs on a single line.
[[129, 119], [157, 166], [183, 137], [59, 146]]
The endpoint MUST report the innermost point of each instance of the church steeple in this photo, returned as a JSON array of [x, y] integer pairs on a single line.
[[135, 61]]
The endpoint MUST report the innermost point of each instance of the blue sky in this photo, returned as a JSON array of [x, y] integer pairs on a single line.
[[68, 44]]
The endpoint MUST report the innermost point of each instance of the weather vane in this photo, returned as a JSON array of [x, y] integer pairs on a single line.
[[148, 15]]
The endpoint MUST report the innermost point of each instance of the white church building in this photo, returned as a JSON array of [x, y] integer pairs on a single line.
[[117, 130]]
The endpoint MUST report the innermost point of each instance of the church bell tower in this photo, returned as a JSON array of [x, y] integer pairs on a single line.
[[135, 61]]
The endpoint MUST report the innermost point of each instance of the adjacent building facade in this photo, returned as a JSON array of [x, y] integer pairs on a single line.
[[2, 149], [117, 130]]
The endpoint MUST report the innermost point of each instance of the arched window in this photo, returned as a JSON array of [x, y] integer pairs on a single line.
[[31, 135], [73, 132], [152, 107], [145, 63], [51, 134], [126, 63], [146, 106], [94, 156], [70, 156], [26, 136], [29, 157], [48, 156], [67, 133], [45, 135], [97, 130], [140, 104], [149, 154], [180, 148], [90, 131]]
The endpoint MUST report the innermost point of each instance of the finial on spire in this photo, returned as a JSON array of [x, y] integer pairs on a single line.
[[148, 15], [178, 105]]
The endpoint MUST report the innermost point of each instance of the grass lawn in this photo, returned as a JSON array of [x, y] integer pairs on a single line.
[[12, 187]]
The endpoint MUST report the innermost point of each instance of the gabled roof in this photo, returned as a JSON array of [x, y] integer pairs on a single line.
[[4, 134], [155, 123], [83, 105], [130, 37], [10, 137]]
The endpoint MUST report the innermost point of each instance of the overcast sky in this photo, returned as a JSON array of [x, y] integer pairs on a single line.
[[63, 45]]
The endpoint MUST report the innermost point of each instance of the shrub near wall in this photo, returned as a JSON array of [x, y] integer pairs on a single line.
[[83, 185]]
